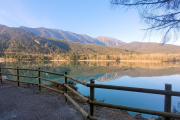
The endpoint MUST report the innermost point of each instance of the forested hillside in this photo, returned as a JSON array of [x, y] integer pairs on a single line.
[[150, 48], [16, 40], [67, 35], [20, 41]]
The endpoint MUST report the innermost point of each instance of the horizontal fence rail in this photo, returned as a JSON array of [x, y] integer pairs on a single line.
[[76, 93], [9, 68], [167, 92], [51, 81], [28, 82], [9, 74], [143, 90], [28, 76], [9, 80], [52, 73], [52, 89], [76, 80], [20, 69], [152, 112], [28, 69], [77, 106]]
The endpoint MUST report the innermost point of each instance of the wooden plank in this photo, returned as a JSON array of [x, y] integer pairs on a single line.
[[76, 80], [9, 68], [76, 93], [144, 90], [52, 89], [1, 74], [28, 69], [39, 77], [167, 100], [28, 76], [28, 83], [92, 98], [20, 81], [52, 73], [11, 80], [66, 82], [51, 81], [152, 112], [77, 106], [18, 75], [8, 74]]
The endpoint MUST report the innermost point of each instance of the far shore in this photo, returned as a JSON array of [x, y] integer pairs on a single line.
[[150, 61], [144, 61]]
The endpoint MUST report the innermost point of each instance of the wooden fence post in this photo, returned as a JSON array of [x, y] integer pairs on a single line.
[[39, 75], [1, 74], [92, 98], [66, 82], [18, 75], [167, 102]]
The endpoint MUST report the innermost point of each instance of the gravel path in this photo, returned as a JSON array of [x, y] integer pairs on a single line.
[[27, 103]]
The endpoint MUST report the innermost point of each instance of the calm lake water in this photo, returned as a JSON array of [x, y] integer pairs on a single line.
[[143, 75]]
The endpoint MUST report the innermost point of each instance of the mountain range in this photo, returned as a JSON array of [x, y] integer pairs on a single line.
[[140, 47], [66, 35], [18, 40], [50, 41], [149, 48]]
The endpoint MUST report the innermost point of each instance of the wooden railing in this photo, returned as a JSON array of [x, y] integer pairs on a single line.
[[167, 92]]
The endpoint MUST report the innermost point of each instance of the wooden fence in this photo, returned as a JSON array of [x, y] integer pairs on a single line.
[[167, 92]]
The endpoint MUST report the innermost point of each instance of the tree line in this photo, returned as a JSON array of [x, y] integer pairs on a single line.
[[117, 57]]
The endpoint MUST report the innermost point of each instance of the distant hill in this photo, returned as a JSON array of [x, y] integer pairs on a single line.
[[147, 48], [66, 35], [17, 40], [108, 41]]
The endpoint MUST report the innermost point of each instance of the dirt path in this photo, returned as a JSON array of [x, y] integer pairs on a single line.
[[27, 103]]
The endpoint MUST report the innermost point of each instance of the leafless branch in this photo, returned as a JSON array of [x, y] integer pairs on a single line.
[[161, 15]]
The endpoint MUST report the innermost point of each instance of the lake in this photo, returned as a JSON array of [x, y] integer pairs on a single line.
[[143, 75]]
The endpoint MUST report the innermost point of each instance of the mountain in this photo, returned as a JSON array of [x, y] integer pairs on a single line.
[[108, 41], [147, 48], [15, 40], [66, 35], [18, 40]]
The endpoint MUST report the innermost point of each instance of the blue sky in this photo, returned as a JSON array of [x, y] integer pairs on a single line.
[[91, 17]]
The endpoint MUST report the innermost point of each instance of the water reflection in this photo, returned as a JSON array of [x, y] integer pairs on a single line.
[[100, 71]]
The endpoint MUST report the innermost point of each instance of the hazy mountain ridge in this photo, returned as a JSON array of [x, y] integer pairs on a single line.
[[147, 48], [141, 47], [110, 41], [67, 35], [23, 40], [17, 40]]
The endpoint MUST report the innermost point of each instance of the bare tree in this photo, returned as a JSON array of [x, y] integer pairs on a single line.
[[162, 15]]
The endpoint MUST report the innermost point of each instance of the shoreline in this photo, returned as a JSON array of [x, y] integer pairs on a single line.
[[149, 61], [142, 61]]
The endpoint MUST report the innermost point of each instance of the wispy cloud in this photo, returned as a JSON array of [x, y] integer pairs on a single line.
[[17, 13]]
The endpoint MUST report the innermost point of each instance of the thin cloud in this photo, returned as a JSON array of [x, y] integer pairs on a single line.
[[19, 14]]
